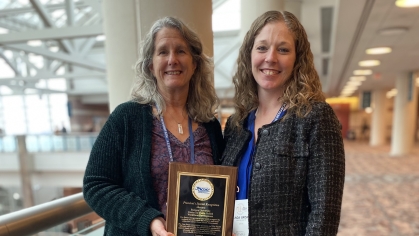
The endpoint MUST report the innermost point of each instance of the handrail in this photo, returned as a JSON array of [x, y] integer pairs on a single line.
[[35, 219]]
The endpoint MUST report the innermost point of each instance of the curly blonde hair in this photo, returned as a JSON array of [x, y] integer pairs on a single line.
[[202, 99], [303, 85]]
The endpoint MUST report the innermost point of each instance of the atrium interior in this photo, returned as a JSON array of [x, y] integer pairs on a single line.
[[66, 64]]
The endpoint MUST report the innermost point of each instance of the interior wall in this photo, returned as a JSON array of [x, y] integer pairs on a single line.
[[342, 111], [87, 117]]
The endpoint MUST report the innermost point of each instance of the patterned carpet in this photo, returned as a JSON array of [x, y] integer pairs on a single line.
[[381, 195]]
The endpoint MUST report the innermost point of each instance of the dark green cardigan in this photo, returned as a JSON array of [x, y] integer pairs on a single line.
[[117, 184]]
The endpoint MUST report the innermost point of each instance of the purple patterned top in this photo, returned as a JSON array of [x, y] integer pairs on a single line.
[[181, 153]]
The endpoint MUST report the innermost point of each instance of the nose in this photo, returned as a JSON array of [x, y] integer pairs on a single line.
[[271, 56], [173, 60]]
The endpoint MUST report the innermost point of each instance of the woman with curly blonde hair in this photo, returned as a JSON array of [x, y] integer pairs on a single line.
[[284, 137]]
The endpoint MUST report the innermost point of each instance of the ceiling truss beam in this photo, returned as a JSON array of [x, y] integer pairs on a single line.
[[50, 7], [44, 15], [11, 63], [80, 75], [76, 60], [69, 8], [52, 34]]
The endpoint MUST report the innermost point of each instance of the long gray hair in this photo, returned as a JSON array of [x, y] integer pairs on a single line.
[[202, 99]]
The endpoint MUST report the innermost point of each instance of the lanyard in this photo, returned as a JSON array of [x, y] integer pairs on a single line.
[[191, 139], [280, 112]]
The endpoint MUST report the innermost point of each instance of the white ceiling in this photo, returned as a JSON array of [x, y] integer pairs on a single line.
[[352, 27], [358, 26]]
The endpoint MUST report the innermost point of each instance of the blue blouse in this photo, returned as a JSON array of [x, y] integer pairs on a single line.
[[246, 163], [245, 166]]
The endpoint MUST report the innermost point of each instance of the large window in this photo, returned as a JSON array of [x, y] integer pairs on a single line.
[[14, 115], [227, 16], [37, 114], [33, 114]]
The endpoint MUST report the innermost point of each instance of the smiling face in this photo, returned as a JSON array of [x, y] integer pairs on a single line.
[[172, 65], [273, 56]]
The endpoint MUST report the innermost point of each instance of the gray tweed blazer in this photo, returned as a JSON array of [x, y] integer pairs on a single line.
[[298, 173]]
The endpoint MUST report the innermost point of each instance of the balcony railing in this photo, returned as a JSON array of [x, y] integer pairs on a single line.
[[35, 219]]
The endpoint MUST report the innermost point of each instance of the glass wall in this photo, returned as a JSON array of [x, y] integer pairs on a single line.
[[34, 114]]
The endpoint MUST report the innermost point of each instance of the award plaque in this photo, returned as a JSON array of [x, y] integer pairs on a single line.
[[200, 199]]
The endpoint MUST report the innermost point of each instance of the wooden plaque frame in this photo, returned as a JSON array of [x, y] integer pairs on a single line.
[[200, 209]]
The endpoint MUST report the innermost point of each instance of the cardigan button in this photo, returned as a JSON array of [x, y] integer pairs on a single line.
[[265, 132], [258, 166]]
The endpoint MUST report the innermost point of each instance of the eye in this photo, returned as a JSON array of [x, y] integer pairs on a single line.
[[261, 48], [283, 50], [162, 52]]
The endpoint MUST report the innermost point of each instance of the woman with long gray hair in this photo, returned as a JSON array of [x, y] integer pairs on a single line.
[[170, 118]]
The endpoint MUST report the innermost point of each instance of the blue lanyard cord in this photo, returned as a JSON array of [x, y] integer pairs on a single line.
[[191, 141], [280, 112], [166, 137]]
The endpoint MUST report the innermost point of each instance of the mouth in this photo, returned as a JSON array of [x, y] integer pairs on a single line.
[[173, 72], [269, 72]]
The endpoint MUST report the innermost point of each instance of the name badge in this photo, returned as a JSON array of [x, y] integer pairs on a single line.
[[240, 222]]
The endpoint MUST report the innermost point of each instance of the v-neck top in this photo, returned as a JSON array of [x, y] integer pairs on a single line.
[[181, 153]]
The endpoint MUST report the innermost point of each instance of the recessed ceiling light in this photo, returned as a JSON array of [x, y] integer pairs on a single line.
[[407, 3], [357, 78], [391, 93], [362, 72], [354, 83], [368, 110], [393, 30], [378, 50], [350, 87], [346, 91], [368, 63]]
